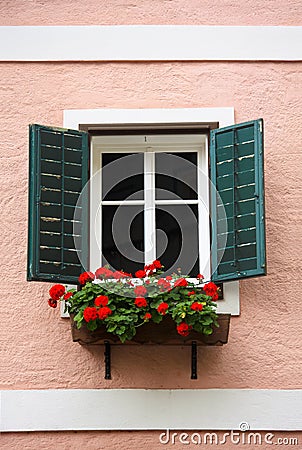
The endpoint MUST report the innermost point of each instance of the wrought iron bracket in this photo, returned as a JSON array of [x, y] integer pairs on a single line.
[[194, 360], [107, 354]]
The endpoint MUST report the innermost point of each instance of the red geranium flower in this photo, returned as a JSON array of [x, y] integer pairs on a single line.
[[67, 295], [191, 293], [162, 308], [90, 313], [157, 264], [196, 306], [169, 278], [147, 316], [210, 289], [104, 312], [183, 329], [57, 291], [181, 282], [118, 274], [140, 274], [140, 302], [140, 291], [126, 275], [164, 285], [215, 297], [101, 300], [103, 272], [53, 303], [200, 277], [150, 267], [85, 277]]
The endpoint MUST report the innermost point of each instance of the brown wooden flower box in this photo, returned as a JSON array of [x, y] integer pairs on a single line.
[[150, 333]]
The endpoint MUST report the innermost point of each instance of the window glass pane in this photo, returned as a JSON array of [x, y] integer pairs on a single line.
[[176, 175], [123, 176], [177, 238], [123, 237]]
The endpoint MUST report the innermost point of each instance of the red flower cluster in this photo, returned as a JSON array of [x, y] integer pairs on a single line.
[[140, 302], [67, 295], [164, 284], [101, 300], [103, 272], [140, 274], [181, 282], [90, 313], [150, 268], [85, 277], [196, 306], [140, 291], [104, 312], [118, 274], [200, 277], [147, 316], [191, 293], [52, 303], [56, 291], [212, 290], [162, 308], [183, 329]]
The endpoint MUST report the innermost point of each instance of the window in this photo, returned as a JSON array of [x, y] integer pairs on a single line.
[[59, 170], [150, 200]]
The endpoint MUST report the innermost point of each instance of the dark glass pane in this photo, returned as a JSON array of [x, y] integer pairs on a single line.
[[123, 237], [176, 176], [177, 238], [123, 176]]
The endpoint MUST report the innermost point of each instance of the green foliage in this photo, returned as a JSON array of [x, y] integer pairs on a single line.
[[111, 301]]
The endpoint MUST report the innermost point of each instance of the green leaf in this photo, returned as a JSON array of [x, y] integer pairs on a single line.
[[111, 327], [207, 330], [92, 325], [78, 317]]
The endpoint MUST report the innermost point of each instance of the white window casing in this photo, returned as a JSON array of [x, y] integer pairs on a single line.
[[126, 118]]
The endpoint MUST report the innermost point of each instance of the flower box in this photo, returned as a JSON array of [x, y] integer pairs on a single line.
[[164, 333]]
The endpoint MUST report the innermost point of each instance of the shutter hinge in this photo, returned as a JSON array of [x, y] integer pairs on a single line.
[[260, 126]]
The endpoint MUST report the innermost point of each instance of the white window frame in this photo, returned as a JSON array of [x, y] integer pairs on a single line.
[[149, 145], [177, 118]]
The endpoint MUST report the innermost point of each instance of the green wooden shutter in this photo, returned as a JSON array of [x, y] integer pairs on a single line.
[[58, 171], [237, 201]]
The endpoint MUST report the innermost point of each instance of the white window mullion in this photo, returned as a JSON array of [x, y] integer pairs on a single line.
[[203, 212], [150, 231]]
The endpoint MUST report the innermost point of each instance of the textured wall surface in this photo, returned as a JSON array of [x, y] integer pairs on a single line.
[[134, 440], [264, 346], [264, 350], [146, 12]]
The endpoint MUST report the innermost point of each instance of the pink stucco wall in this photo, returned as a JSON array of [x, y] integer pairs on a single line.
[[264, 348], [155, 12], [126, 440]]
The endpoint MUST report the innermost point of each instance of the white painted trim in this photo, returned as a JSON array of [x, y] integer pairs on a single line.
[[138, 409], [73, 118], [106, 116], [151, 43]]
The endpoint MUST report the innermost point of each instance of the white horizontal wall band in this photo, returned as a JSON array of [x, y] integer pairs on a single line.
[[151, 43], [137, 409]]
